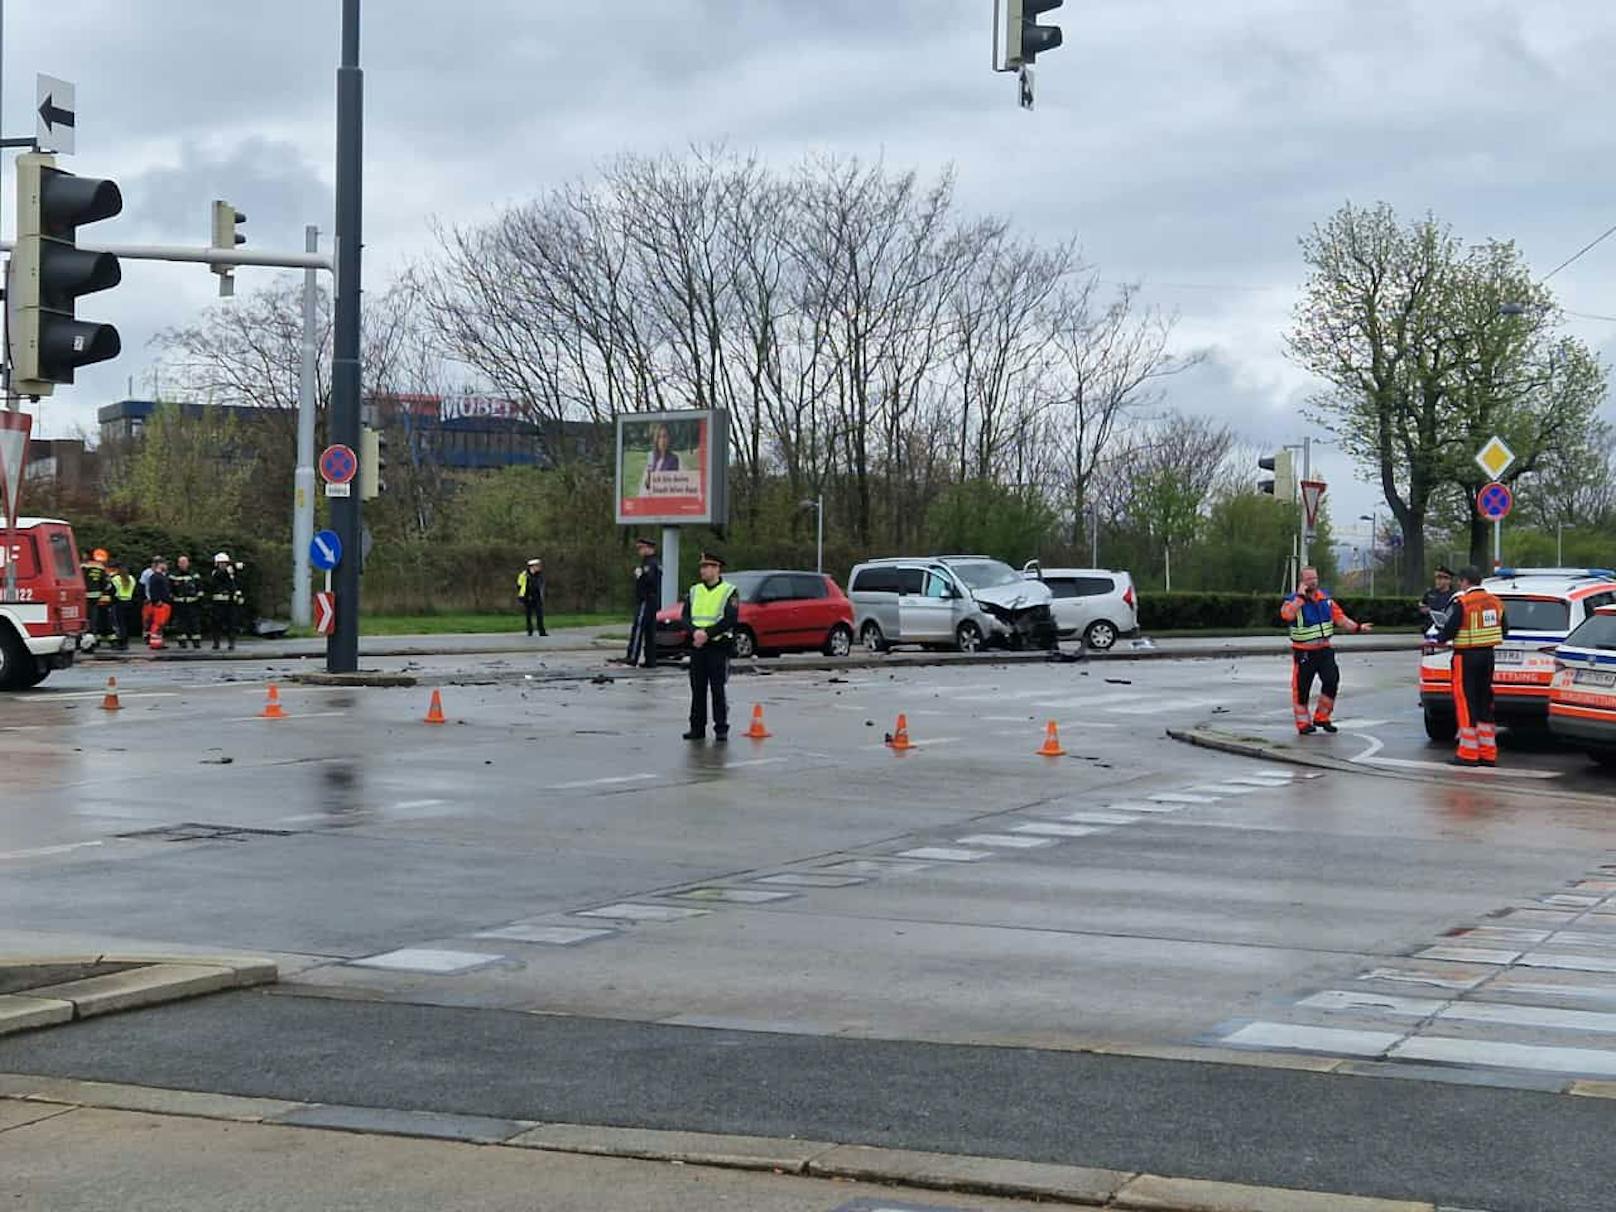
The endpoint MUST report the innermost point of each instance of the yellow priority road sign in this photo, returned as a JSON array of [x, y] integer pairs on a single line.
[[1495, 458]]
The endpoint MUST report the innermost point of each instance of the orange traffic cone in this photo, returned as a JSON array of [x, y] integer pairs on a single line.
[[1052, 745], [434, 713], [109, 701], [272, 708], [899, 740], [757, 731]]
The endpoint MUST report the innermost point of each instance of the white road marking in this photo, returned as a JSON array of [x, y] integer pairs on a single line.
[[774, 761], [558, 936], [1221, 789], [301, 715], [1100, 818], [1182, 797], [1353, 724], [1051, 829], [1314, 1039], [632, 912], [1470, 955], [1468, 771], [426, 959], [928, 742], [1572, 963], [40, 851], [1142, 806], [609, 781], [1507, 1056], [947, 854], [1005, 841], [122, 694]]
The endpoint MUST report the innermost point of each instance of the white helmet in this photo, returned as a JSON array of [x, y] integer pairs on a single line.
[[222, 558]]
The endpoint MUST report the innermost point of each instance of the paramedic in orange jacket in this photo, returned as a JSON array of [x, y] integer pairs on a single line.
[[1313, 616], [1475, 627]]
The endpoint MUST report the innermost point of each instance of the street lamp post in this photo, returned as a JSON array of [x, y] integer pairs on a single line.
[[818, 506], [1373, 518]]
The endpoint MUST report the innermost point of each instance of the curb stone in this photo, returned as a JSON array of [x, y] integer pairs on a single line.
[[152, 981], [1073, 1185]]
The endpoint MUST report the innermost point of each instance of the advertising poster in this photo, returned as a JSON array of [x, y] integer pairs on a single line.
[[671, 468]]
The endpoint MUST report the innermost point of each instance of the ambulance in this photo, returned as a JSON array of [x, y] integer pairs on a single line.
[[1582, 696], [43, 612], [1542, 606]]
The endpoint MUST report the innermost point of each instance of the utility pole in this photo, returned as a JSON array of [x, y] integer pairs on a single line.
[[303, 478], [342, 650]]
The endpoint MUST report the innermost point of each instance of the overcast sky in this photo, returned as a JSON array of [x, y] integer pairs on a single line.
[[1186, 143]]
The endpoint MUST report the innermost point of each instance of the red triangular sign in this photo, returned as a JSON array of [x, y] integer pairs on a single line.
[[1312, 494]]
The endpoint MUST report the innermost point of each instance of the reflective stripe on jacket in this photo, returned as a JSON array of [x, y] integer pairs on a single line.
[[707, 605], [1313, 620], [124, 586], [1480, 620]]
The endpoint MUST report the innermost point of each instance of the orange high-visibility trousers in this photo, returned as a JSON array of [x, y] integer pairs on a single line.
[[1473, 703]]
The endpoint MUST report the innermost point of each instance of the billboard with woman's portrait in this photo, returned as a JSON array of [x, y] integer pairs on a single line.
[[671, 467]]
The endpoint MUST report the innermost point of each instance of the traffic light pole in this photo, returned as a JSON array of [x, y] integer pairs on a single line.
[[342, 649]]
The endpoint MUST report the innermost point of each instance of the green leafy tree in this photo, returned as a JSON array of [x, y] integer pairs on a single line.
[[188, 474]]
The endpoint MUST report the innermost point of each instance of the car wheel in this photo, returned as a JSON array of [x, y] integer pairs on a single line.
[[745, 643], [1101, 635], [840, 641], [1440, 726], [968, 637], [871, 637], [14, 661]]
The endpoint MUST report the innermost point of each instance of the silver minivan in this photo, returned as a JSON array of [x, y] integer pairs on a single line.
[[962, 602]]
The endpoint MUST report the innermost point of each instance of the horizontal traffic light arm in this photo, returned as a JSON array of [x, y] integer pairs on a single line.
[[206, 256]]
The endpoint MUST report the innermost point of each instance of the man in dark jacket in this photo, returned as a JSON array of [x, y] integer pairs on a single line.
[[188, 593], [711, 613], [224, 599], [1435, 602], [647, 597], [159, 603], [530, 592]]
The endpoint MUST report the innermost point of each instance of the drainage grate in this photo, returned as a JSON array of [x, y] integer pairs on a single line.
[[193, 831]]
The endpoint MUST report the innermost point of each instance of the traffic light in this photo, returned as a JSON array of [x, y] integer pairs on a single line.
[[1024, 38], [49, 271], [372, 463], [1282, 484], [226, 219]]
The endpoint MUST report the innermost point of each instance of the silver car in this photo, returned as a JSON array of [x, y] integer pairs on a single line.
[[962, 602], [1094, 603]]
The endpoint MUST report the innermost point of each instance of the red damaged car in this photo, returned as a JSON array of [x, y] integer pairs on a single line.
[[780, 611]]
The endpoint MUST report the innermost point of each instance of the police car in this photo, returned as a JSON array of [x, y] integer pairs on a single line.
[[1582, 696], [1542, 606]]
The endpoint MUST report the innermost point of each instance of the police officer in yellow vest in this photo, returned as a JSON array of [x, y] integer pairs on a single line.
[[711, 613]]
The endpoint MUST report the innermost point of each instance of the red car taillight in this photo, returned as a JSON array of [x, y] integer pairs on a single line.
[[1127, 596]]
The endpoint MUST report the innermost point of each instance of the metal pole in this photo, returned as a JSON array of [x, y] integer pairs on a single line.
[[342, 650], [1094, 536], [303, 478], [1374, 535], [1559, 544], [670, 566], [819, 546], [1498, 544], [1307, 474]]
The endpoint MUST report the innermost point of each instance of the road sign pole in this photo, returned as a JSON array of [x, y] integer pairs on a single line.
[[1304, 529], [1498, 543], [342, 650]]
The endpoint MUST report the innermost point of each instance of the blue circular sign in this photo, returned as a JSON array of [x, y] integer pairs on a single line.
[[1495, 501], [338, 464], [325, 550]]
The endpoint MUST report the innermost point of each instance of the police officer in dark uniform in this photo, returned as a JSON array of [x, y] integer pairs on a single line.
[[647, 596], [1434, 602], [186, 583], [711, 613]]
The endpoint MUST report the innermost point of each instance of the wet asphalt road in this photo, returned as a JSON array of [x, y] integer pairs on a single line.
[[556, 848]]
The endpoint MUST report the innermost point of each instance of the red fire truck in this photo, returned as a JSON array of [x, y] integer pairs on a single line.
[[43, 613]]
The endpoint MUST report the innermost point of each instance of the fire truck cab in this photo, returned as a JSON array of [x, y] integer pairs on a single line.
[[43, 612]]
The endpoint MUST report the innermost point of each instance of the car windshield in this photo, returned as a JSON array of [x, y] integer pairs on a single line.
[[985, 574], [1598, 632], [1535, 614]]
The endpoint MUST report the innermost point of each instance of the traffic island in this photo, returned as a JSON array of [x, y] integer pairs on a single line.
[[362, 678], [45, 991]]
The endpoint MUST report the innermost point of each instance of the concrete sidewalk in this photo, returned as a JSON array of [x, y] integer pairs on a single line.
[[75, 1146]]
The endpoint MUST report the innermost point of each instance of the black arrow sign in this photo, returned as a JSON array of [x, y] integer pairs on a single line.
[[52, 116]]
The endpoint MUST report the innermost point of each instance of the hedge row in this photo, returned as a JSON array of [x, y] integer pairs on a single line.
[[1199, 611]]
